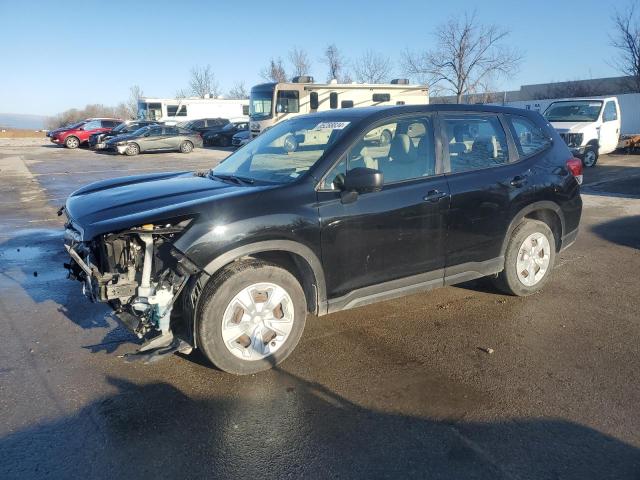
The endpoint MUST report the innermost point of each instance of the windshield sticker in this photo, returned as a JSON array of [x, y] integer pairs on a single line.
[[331, 125]]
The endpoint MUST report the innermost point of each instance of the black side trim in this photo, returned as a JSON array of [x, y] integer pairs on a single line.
[[387, 290], [569, 239], [472, 270]]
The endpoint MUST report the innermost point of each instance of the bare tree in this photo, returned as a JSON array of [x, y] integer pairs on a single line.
[[299, 62], [135, 94], [336, 64], [203, 82], [465, 56], [275, 72], [626, 39], [238, 91], [181, 93], [372, 67]]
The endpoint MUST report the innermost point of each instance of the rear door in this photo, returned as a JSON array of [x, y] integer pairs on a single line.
[[610, 128], [394, 233], [485, 180]]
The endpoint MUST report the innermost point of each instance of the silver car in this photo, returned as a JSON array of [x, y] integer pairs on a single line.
[[155, 138]]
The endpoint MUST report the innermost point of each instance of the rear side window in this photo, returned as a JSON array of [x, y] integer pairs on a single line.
[[288, 101], [474, 142], [529, 137]]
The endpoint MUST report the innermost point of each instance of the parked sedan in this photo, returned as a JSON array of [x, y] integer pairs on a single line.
[[204, 124], [223, 136], [79, 133], [98, 140], [155, 138], [240, 139]]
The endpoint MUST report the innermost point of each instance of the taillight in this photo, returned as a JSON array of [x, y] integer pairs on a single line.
[[574, 165]]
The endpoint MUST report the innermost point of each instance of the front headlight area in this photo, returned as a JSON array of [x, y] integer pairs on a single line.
[[137, 271]]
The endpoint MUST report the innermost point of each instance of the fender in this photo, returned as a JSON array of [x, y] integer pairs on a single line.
[[542, 205], [276, 245]]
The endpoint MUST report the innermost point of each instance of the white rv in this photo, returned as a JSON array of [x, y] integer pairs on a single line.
[[172, 110], [271, 103]]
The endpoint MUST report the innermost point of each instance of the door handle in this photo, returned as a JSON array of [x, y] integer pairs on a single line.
[[518, 181], [435, 196]]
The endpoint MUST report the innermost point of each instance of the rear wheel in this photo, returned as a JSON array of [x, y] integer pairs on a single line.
[[132, 150], [590, 157], [250, 317], [186, 147], [528, 260], [72, 142]]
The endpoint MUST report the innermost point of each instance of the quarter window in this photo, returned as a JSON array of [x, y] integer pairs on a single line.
[[474, 142], [610, 112], [288, 101], [529, 138]]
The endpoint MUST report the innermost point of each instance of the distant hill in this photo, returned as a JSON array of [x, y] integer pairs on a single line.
[[19, 120]]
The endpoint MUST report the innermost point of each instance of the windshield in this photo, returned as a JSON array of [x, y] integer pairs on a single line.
[[574, 111], [229, 126], [260, 104], [123, 127], [283, 153], [75, 125]]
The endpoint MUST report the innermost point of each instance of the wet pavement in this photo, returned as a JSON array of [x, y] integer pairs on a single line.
[[398, 389]]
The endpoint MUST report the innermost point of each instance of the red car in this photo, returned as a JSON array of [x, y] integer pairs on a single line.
[[79, 133]]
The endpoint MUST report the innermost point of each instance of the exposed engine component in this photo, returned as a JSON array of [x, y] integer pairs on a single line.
[[137, 271]]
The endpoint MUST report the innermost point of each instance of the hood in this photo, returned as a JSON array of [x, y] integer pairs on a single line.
[[120, 203], [121, 137], [571, 127]]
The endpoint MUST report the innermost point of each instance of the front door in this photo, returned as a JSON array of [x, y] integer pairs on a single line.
[[394, 233], [610, 128]]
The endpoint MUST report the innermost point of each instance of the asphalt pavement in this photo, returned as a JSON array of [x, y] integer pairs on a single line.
[[400, 389]]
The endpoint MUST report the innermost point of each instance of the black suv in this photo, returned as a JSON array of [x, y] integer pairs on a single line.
[[316, 215], [97, 141], [205, 124]]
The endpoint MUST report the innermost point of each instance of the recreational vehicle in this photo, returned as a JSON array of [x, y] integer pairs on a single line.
[[271, 103], [172, 110]]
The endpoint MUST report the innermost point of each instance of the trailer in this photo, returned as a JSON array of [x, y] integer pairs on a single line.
[[176, 110], [271, 103]]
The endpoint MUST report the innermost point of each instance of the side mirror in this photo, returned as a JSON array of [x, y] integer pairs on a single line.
[[363, 180]]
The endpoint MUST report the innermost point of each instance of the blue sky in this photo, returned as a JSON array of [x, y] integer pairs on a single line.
[[58, 55]]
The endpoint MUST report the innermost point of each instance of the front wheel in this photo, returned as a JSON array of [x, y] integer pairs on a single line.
[[250, 317], [72, 142], [528, 260], [590, 157], [186, 147], [132, 150]]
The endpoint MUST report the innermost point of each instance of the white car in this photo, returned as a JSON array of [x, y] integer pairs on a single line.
[[589, 126]]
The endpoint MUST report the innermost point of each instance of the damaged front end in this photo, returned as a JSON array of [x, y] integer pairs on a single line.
[[140, 274]]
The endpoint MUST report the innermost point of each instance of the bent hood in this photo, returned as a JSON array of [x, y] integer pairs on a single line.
[[120, 203]]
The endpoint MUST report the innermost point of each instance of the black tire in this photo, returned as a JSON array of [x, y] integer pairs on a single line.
[[186, 147], [132, 150], [590, 156], [72, 142], [508, 280], [214, 299]]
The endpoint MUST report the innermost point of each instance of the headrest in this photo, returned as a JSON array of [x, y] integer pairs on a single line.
[[400, 147], [486, 146]]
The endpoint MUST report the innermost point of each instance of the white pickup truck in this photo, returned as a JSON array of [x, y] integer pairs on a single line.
[[589, 126]]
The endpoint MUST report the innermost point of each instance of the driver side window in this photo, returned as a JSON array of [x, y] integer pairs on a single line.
[[402, 150]]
